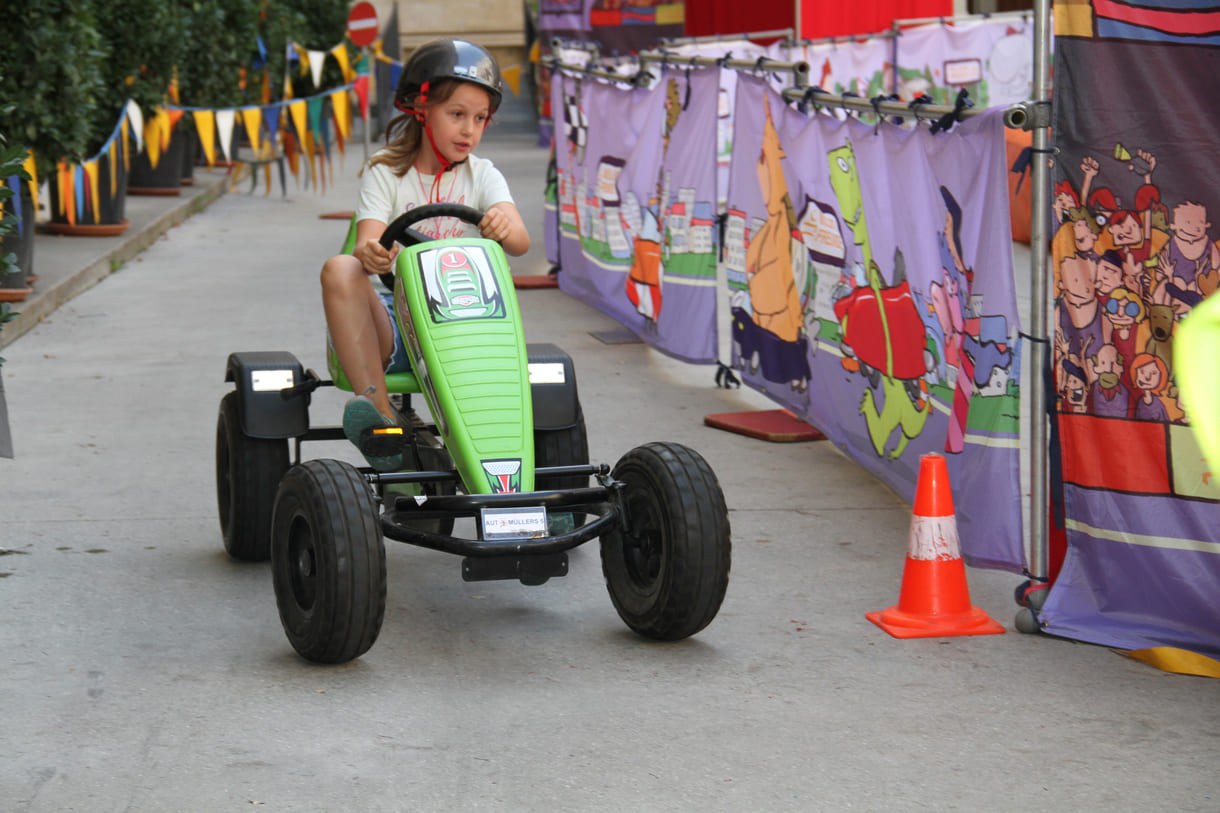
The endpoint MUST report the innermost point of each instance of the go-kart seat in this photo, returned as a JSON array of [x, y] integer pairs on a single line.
[[396, 383]]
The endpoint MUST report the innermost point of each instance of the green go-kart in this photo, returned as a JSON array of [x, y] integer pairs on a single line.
[[507, 448]]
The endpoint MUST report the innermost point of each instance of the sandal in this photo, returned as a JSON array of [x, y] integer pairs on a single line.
[[362, 424]]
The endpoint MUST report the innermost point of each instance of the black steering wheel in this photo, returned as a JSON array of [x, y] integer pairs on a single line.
[[400, 230]]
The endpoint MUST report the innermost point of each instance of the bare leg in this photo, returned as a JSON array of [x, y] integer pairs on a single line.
[[360, 328]]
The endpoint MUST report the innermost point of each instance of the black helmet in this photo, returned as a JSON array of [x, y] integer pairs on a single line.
[[447, 58]]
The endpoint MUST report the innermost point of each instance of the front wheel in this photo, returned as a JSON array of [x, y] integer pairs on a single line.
[[328, 561], [667, 564]]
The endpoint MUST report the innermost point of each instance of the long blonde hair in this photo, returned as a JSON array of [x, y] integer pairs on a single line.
[[404, 135]]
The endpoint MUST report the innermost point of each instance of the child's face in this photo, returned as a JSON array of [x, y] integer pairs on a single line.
[[458, 122]]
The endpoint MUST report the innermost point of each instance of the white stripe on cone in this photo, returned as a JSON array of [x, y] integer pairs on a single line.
[[934, 538]]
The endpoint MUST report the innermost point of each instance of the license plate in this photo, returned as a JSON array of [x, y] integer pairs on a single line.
[[514, 523]]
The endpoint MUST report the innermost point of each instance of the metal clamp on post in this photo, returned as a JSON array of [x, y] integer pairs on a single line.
[[1028, 116]]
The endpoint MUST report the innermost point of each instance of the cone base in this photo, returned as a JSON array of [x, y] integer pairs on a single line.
[[906, 625]]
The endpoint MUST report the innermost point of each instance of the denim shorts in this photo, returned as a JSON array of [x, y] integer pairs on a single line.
[[399, 362]]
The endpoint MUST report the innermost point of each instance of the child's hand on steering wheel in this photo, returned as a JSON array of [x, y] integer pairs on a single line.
[[376, 258], [495, 225]]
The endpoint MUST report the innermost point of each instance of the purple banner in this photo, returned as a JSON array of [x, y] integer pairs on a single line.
[[871, 289], [636, 198], [1135, 252]]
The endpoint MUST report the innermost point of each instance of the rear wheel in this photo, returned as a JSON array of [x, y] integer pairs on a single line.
[[248, 472], [667, 565], [328, 561], [568, 446]]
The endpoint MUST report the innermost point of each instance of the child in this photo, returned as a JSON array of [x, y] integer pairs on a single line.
[[447, 93]]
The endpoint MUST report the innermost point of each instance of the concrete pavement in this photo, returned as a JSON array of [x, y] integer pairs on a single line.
[[143, 670]]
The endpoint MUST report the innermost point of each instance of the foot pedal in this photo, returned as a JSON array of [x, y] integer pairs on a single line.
[[530, 570], [383, 441]]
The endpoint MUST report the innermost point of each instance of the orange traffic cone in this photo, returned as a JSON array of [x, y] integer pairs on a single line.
[[934, 600]]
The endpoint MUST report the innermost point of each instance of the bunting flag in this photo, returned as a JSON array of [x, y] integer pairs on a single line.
[[299, 111], [341, 107], [91, 172], [205, 127], [225, 120], [361, 87], [252, 120], [135, 119], [339, 52], [317, 60], [31, 169]]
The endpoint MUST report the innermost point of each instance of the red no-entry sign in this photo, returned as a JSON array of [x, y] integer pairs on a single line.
[[362, 24]]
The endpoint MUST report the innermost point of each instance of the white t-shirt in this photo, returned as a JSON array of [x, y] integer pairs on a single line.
[[475, 182]]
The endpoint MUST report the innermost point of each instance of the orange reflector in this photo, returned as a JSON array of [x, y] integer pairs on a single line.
[[388, 430]]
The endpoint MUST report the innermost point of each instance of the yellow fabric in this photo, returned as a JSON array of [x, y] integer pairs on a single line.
[[1197, 370], [1179, 661], [299, 112]]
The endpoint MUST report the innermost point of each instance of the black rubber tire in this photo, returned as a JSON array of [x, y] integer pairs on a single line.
[[328, 561], [568, 446], [248, 473], [667, 570]]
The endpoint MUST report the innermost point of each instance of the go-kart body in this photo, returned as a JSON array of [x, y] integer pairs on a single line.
[[507, 448]]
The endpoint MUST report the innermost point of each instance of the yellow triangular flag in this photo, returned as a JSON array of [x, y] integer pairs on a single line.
[[165, 127], [252, 118], [111, 160], [512, 75], [31, 168], [341, 103], [345, 64], [205, 126], [91, 174], [154, 142], [300, 114]]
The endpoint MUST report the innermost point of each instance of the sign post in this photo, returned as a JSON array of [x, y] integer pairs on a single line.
[[362, 31]]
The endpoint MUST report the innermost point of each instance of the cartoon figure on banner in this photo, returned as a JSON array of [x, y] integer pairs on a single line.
[[772, 335], [647, 271], [975, 348], [883, 335]]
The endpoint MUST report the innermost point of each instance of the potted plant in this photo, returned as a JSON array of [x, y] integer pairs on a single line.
[[48, 100], [145, 39], [16, 223], [211, 76]]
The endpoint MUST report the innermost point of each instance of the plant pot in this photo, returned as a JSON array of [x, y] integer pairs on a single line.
[[165, 179], [109, 218], [190, 155], [16, 287]]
